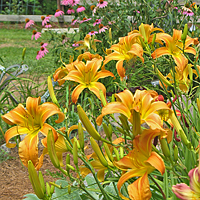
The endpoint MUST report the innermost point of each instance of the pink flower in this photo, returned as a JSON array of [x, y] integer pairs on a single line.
[[75, 45], [59, 13], [137, 11], [70, 11], [42, 51], [36, 35], [98, 21], [92, 32], [85, 20], [188, 13], [103, 29], [45, 19], [102, 4], [74, 21], [75, 2], [48, 25], [111, 22], [67, 2], [29, 23], [80, 9]]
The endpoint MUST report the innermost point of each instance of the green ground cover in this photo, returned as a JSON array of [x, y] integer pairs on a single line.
[[12, 42]]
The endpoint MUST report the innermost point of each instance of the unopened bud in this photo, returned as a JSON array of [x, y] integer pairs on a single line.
[[75, 153], [81, 135], [165, 148], [109, 154], [175, 153], [48, 189], [116, 153], [185, 32]]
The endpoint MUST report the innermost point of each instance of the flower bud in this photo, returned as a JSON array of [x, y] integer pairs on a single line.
[[75, 153], [124, 122], [87, 124], [143, 33], [154, 38], [136, 123], [175, 153], [113, 98], [41, 179], [23, 53], [121, 150], [102, 97], [185, 32], [35, 180], [109, 154], [51, 149], [107, 131], [48, 189], [70, 167], [52, 189], [110, 34], [98, 152], [51, 91], [198, 104], [81, 136], [165, 148], [69, 189], [116, 153]]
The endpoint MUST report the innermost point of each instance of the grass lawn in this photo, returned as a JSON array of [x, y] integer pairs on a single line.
[[12, 42]]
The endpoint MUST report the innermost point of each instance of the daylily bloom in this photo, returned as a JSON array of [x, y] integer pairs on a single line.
[[174, 46], [183, 191], [87, 76], [146, 30], [102, 4], [59, 13], [36, 35], [140, 162], [61, 72], [80, 9], [142, 102], [31, 121], [126, 49]]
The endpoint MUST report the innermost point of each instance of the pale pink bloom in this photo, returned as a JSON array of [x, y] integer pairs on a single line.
[[75, 45], [74, 21], [36, 35], [103, 29], [138, 11], [111, 22], [176, 8], [67, 2], [29, 23], [94, 11], [48, 26], [80, 9], [102, 4], [92, 32], [46, 19], [44, 45], [98, 21], [85, 20], [59, 13], [65, 40], [70, 11]]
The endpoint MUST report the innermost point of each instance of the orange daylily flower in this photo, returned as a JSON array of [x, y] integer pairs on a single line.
[[141, 161], [146, 30], [142, 102], [87, 76], [126, 49], [174, 46], [31, 121]]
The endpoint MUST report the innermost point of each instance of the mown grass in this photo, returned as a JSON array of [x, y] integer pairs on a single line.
[[12, 42]]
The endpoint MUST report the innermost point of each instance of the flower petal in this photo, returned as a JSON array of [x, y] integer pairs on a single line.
[[76, 92], [140, 190]]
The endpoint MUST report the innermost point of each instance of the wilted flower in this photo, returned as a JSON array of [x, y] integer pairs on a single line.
[[36, 35]]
